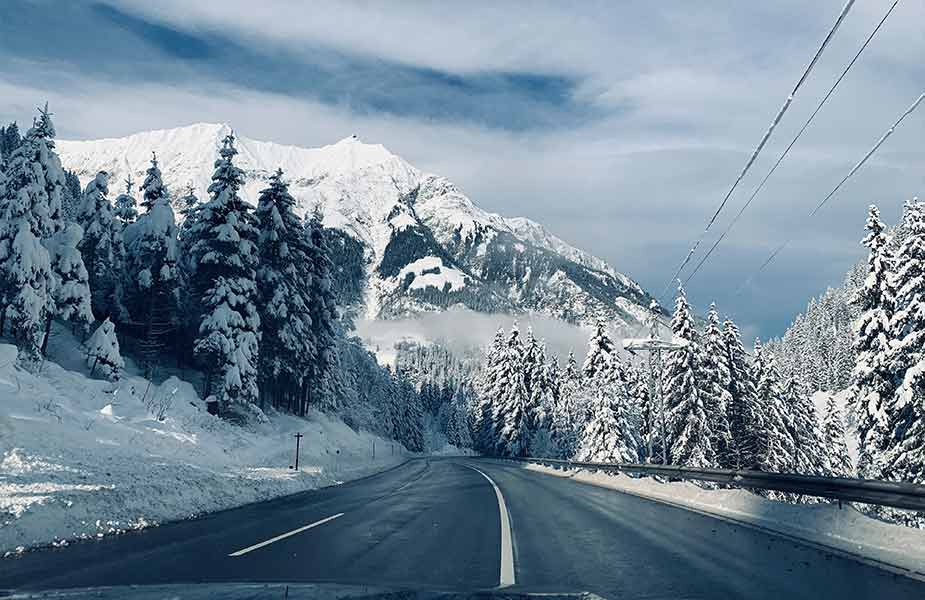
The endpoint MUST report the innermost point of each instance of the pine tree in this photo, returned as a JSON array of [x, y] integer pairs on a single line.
[[685, 394], [409, 416], [568, 411], [746, 420], [124, 204], [835, 449], [902, 457], [287, 347], [907, 352], [71, 197], [872, 379], [807, 435], [716, 373], [103, 352], [26, 280], [72, 292], [10, 140], [457, 428], [533, 364], [776, 449], [322, 304], [509, 401], [102, 250], [151, 270], [225, 255], [483, 420], [31, 216], [602, 354], [607, 436]]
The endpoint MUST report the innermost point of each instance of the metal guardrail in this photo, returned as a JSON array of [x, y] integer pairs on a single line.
[[895, 494]]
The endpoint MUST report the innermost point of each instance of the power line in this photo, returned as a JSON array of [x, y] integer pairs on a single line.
[[792, 142], [854, 170], [761, 144]]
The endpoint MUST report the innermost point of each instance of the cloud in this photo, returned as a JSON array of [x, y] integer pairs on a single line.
[[466, 332], [635, 118]]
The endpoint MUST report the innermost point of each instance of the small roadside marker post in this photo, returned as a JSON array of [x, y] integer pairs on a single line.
[[298, 438]]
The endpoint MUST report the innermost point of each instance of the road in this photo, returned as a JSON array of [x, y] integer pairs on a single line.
[[437, 524]]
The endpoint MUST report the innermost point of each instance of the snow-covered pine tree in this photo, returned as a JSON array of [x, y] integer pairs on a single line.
[[746, 420], [409, 420], [103, 352], [776, 449], [72, 292], [567, 413], [686, 392], [807, 435], [42, 139], [34, 188], [601, 355], [225, 256], [151, 270], [124, 204], [188, 203], [903, 455], [483, 420], [10, 140], [717, 398], [27, 283], [102, 249], [457, 428], [873, 383], [543, 442], [283, 282], [509, 414], [607, 436], [533, 364], [322, 304], [834, 448]]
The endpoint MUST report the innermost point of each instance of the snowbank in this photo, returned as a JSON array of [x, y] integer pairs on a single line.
[[82, 457], [844, 529]]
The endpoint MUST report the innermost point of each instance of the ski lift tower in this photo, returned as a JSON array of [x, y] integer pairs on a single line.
[[654, 345]]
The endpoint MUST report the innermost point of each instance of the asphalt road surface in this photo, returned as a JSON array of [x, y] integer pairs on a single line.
[[465, 524]]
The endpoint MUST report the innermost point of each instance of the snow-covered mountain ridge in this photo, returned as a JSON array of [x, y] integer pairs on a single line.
[[415, 241]]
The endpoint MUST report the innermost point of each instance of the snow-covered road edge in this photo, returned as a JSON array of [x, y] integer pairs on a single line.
[[844, 530]]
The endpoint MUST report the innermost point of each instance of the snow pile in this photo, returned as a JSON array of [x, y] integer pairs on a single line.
[[83, 457], [431, 272], [845, 529]]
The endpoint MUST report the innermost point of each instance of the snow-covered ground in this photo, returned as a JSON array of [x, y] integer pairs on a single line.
[[845, 529], [82, 457]]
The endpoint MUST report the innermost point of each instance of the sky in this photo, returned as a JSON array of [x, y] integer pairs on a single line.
[[619, 126]]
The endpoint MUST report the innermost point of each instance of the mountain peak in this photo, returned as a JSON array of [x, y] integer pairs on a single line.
[[418, 243]]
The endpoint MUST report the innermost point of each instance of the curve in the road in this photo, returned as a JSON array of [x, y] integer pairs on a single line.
[[506, 577]]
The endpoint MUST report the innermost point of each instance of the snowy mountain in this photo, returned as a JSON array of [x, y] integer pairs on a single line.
[[414, 242]]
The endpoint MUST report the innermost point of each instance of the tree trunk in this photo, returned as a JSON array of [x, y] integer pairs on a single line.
[[47, 335]]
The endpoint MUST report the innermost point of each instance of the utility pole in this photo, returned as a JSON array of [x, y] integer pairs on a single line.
[[654, 346], [298, 438]]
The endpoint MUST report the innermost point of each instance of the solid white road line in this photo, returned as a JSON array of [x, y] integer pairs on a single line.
[[507, 550], [285, 535]]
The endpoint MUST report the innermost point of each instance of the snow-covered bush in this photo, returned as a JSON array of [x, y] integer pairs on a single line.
[[103, 352]]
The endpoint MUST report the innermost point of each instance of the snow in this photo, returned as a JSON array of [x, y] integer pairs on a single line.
[[842, 400], [845, 529], [357, 186], [82, 457], [455, 277]]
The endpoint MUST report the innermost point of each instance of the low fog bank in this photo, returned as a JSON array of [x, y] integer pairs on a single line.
[[464, 331]]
